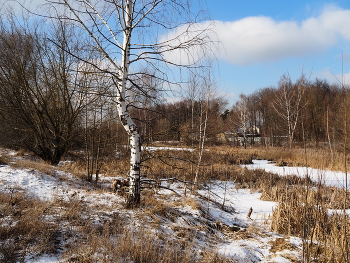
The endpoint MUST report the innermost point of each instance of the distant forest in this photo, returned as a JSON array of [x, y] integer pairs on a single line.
[[290, 114]]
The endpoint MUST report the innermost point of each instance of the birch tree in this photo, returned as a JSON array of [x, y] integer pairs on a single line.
[[240, 118], [288, 103], [125, 33]]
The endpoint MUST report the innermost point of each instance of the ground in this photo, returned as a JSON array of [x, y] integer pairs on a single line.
[[213, 218]]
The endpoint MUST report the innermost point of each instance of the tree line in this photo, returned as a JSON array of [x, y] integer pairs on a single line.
[[304, 112], [293, 113]]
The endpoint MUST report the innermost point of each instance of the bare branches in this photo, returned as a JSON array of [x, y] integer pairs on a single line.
[[288, 103], [40, 96], [113, 28]]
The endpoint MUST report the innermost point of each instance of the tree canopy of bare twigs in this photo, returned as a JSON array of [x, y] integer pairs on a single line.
[[128, 35], [40, 87]]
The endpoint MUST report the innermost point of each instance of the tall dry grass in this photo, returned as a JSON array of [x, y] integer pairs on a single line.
[[311, 211], [323, 232], [183, 164], [23, 227]]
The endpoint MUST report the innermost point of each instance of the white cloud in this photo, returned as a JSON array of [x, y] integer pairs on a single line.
[[262, 39], [17, 5]]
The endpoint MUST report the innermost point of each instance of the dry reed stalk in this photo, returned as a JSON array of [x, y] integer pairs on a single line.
[[310, 219]]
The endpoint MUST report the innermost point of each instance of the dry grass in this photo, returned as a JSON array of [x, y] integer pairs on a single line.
[[324, 233], [31, 226], [280, 244], [138, 240], [303, 210], [23, 227], [155, 207], [191, 202], [138, 245], [303, 206], [70, 226], [311, 157], [217, 163], [112, 166], [4, 160], [36, 165]]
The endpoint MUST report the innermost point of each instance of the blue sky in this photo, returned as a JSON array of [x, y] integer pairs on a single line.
[[264, 39]]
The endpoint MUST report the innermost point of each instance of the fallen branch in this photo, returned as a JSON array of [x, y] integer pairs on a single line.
[[159, 186]]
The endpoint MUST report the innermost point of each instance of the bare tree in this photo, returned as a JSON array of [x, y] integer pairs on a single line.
[[288, 103], [40, 87], [240, 118], [203, 121], [117, 30]]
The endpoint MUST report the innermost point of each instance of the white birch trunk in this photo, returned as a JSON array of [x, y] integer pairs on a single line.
[[127, 122], [202, 133]]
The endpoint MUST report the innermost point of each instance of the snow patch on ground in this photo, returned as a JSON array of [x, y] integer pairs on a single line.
[[152, 149], [330, 178], [222, 203]]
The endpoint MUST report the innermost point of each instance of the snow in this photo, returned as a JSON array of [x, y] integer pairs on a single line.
[[237, 202], [47, 187], [43, 186], [241, 200], [255, 248], [42, 259], [330, 178], [152, 149]]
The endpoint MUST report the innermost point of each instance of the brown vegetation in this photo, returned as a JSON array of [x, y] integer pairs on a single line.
[[23, 227], [311, 157], [313, 212], [303, 210]]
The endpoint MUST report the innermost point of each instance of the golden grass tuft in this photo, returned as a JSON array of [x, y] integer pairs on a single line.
[[37, 165], [280, 244], [192, 202]]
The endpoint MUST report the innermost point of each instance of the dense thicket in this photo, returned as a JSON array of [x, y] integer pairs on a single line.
[[49, 101], [39, 94]]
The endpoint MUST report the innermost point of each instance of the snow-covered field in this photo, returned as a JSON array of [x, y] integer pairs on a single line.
[[330, 178], [247, 240]]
